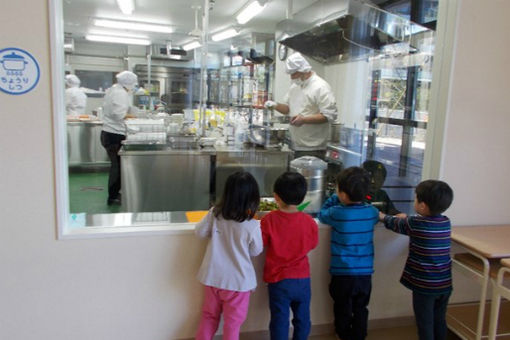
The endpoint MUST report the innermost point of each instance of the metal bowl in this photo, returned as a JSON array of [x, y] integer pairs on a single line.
[[266, 135]]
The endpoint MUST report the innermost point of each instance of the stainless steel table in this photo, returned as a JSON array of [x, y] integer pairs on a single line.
[[166, 180], [84, 144], [187, 180]]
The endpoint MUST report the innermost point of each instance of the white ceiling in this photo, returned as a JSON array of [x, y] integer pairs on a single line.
[[78, 15]]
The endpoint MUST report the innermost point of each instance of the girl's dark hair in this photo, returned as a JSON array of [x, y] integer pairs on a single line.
[[240, 199], [355, 182], [437, 195], [290, 187]]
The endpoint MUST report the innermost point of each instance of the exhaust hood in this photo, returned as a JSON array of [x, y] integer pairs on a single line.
[[332, 31]]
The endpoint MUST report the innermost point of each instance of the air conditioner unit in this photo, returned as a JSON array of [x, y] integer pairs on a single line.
[[166, 52]]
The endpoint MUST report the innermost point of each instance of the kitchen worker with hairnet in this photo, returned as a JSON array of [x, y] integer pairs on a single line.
[[116, 108], [311, 107], [75, 98]]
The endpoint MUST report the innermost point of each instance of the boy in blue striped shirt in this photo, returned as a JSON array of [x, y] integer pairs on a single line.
[[428, 267], [352, 251]]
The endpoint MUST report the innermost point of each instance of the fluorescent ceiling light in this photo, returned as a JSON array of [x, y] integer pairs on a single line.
[[192, 45], [117, 34], [117, 40], [229, 33], [126, 6], [249, 12], [131, 25]]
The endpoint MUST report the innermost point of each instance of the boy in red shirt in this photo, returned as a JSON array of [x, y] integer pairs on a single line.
[[288, 236]]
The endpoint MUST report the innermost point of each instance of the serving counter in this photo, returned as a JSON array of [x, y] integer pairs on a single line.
[[186, 180]]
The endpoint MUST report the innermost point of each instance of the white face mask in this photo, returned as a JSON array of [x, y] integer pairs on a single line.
[[297, 81]]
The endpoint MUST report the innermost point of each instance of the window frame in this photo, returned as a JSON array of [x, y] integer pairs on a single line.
[[440, 90]]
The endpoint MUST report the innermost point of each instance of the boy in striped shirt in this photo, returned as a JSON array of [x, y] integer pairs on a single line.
[[352, 251], [428, 267]]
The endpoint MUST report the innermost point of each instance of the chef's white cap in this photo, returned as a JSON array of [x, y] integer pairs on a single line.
[[72, 80], [127, 79], [297, 63]]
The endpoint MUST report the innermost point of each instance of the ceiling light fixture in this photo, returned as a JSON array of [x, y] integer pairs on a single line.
[[132, 25], [191, 46], [117, 34], [228, 33], [126, 6], [117, 40], [249, 12]]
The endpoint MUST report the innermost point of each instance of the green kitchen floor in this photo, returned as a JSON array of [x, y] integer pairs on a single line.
[[88, 193]]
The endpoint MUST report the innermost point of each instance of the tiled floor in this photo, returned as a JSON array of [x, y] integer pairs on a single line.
[[397, 333]]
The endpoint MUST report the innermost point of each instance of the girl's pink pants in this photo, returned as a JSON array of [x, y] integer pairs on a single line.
[[233, 305]]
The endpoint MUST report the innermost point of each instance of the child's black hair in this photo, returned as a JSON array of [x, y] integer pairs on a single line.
[[240, 199], [355, 182], [437, 195], [290, 187]]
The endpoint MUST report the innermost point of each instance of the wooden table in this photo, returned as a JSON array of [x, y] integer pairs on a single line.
[[485, 245], [492, 241]]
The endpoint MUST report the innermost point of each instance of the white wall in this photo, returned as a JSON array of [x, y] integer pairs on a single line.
[[476, 157], [144, 287], [349, 82]]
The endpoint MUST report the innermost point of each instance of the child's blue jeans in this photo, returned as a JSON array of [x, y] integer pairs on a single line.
[[288, 294], [430, 314]]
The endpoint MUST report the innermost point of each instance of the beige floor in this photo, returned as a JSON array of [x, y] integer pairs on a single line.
[[399, 333]]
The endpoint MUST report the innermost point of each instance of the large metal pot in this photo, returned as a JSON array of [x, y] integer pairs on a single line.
[[313, 170]]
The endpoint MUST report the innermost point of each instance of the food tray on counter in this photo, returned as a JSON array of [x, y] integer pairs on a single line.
[[135, 145]]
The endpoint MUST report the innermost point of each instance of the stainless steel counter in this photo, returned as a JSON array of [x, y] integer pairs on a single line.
[[264, 164], [84, 145], [166, 180], [184, 180]]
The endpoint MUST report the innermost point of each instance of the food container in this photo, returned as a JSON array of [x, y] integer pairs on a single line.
[[145, 125], [173, 129], [147, 137], [207, 142], [266, 135], [183, 142], [133, 145]]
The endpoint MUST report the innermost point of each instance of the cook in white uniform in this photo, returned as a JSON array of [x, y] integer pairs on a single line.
[[117, 105], [75, 98], [311, 106]]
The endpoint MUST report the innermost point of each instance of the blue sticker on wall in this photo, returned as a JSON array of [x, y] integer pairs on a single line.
[[19, 71]]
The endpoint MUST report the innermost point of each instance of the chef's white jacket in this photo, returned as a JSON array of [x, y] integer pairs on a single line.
[[312, 97], [75, 100], [117, 104]]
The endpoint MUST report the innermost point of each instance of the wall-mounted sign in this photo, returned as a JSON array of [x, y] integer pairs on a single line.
[[19, 71]]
